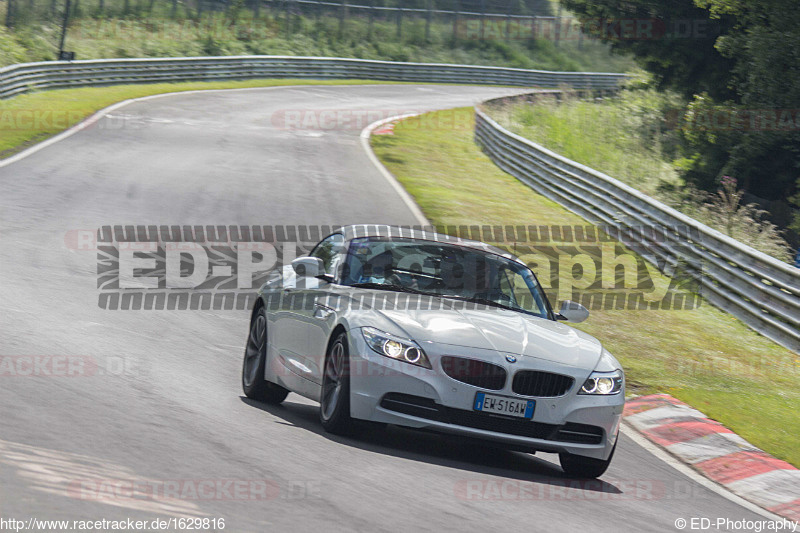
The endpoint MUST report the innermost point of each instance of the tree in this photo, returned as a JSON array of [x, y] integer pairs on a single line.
[[746, 65], [765, 47], [680, 51]]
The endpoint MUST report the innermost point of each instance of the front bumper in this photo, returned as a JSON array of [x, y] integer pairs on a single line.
[[395, 392]]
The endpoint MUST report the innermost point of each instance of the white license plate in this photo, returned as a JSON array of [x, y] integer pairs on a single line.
[[490, 403]]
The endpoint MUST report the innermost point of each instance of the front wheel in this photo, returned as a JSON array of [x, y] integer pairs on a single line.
[[255, 358], [578, 466], [334, 405]]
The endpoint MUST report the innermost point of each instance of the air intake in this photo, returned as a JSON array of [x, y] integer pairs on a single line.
[[473, 372], [541, 384]]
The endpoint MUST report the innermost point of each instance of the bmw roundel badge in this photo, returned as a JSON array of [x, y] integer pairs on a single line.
[[511, 359]]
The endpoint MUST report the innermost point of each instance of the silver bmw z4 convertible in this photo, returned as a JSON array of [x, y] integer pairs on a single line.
[[422, 330]]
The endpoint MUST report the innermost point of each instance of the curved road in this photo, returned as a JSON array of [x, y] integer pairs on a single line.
[[164, 414]]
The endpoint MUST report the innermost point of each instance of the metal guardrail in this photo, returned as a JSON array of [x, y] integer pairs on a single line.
[[761, 291], [22, 78]]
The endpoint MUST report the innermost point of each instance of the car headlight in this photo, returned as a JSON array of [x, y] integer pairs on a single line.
[[603, 383], [395, 347]]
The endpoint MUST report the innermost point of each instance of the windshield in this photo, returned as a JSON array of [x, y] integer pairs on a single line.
[[443, 270]]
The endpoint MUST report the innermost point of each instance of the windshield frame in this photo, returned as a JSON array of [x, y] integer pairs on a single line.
[[508, 259]]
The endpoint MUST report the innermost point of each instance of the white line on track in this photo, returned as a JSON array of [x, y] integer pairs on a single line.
[[410, 203]]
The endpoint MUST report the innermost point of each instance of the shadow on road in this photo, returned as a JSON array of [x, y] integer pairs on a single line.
[[442, 450]]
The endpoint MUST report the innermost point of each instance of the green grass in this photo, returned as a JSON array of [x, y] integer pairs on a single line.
[[238, 32], [59, 109], [622, 136], [634, 137], [702, 356]]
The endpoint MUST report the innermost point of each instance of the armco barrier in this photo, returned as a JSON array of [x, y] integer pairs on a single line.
[[18, 79], [761, 291], [758, 289]]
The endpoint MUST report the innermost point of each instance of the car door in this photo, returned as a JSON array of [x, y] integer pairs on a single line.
[[303, 323], [322, 309]]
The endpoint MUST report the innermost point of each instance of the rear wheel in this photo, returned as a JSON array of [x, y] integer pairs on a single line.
[[255, 360], [581, 467], [334, 405]]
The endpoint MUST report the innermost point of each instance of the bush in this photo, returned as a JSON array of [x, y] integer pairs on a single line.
[[11, 51], [746, 223], [633, 137]]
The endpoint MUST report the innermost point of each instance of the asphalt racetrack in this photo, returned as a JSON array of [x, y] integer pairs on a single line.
[[161, 428]]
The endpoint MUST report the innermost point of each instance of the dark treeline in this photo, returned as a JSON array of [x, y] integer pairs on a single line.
[[740, 72]]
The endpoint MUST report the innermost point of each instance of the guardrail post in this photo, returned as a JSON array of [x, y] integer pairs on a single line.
[[399, 21], [342, 17], [455, 19], [10, 13], [64, 23], [558, 25], [371, 18], [428, 21], [483, 18]]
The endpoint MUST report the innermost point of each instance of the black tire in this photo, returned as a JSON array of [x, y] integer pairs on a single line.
[[334, 404], [255, 359], [578, 466]]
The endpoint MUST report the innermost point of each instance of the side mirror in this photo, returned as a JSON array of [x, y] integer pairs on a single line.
[[308, 267], [572, 312]]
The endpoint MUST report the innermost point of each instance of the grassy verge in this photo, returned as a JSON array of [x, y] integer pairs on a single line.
[[635, 137], [31, 118], [702, 356], [236, 31], [624, 136]]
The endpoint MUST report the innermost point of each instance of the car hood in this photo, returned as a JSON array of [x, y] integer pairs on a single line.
[[488, 328]]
